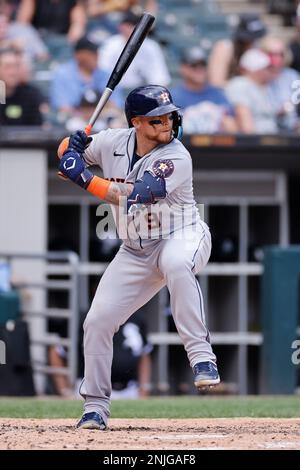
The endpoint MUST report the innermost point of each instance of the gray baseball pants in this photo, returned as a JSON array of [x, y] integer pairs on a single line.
[[130, 281]]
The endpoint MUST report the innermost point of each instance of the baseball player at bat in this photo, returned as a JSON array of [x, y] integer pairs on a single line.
[[166, 243]]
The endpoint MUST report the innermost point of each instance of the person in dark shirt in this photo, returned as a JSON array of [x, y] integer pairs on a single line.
[[295, 44], [22, 106], [66, 17]]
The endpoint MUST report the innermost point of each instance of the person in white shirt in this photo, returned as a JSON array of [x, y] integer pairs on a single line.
[[283, 83], [250, 95], [149, 65]]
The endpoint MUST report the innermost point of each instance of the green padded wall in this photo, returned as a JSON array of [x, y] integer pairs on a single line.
[[280, 304]]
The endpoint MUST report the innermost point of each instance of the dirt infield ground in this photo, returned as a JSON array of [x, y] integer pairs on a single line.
[[147, 434]]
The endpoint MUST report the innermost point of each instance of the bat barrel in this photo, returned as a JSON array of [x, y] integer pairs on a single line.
[[131, 48]]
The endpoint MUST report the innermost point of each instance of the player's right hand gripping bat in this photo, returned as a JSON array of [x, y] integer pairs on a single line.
[[127, 55]]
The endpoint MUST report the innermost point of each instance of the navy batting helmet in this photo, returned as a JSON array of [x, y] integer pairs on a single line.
[[152, 100]]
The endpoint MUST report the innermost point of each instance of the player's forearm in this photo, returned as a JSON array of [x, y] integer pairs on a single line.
[[117, 190], [147, 190], [109, 191]]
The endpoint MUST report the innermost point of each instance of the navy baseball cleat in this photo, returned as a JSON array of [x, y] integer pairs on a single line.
[[91, 421], [205, 374]]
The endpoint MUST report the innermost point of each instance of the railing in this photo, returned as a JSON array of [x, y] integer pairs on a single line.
[[67, 263]]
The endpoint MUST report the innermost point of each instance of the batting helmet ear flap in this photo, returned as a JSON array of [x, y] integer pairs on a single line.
[[177, 125]]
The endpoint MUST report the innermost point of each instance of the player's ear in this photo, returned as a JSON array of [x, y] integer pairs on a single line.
[[136, 122]]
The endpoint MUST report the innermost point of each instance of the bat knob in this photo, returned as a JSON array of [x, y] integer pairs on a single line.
[[61, 176]]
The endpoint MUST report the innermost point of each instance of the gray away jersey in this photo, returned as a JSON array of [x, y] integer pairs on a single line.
[[112, 150]]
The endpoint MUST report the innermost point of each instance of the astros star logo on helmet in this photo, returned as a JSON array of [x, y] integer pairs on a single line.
[[165, 97]]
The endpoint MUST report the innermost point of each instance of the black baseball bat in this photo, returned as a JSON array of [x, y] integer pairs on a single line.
[[126, 57]]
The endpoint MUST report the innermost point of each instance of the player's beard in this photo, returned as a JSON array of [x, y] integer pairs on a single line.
[[164, 137]]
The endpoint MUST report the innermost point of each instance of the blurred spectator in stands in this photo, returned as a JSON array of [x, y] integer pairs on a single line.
[[8, 8], [57, 357], [250, 94], [281, 86], [149, 65], [285, 8], [72, 79], [24, 102], [19, 42], [295, 44], [105, 15], [111, 116], [63, 17], [21, 36], [226, 53], [206, 109]]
